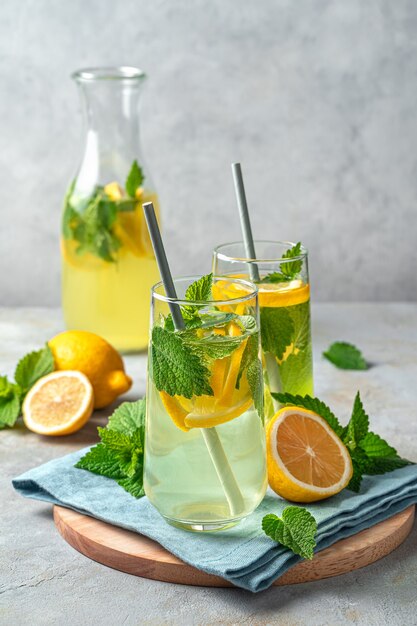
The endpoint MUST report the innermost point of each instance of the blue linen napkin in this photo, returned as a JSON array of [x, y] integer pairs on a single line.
[[243, 554]]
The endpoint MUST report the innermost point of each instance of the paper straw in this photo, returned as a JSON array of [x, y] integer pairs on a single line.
[[245, 220], [271, 364], [210, 435]]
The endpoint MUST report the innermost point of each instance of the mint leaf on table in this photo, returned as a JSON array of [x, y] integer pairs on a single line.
[[120, 454], [175, 368], [32, 367], [10, 402], [296, 530], [129, 417], [358, 425], [289, 269], [312, 404], [101, 460], [346, 356], [134, 179], [277, 328]]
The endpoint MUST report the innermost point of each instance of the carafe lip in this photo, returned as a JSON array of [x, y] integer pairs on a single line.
[[117, 73]]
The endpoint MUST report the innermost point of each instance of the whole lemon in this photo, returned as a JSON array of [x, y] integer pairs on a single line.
[[96, 358]]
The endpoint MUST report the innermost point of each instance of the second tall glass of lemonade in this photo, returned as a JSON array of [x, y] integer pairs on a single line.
[[284, 303]]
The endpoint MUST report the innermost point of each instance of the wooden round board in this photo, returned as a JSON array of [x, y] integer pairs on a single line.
[[132, 553]]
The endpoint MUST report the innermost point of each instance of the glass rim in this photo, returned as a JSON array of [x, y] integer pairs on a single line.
[[116, 73], [235, 259], [253, 293]]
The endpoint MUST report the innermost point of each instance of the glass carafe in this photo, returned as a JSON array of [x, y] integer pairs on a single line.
[[108, 266]]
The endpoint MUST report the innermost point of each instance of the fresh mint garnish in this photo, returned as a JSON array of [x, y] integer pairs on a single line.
[[10, 402], [289, 269], [296, 529], [179, 359], [92, 223], [30, 368], [33, 366], [176, 369], [120, 454], [134, 179], [370, 453], [346, 356]]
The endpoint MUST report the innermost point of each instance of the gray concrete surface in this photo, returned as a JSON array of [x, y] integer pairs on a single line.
[[43, 581], [317, 99]]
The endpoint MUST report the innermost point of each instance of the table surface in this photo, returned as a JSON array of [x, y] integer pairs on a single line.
[[45, 581]]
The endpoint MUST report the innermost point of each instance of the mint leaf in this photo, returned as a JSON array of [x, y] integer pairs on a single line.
[[10, 402], [296, 530], [374, 446], [133, 485], [175, 367], [358, 425], [101, 460], [289, 269], [200, 290], [292, 268], [312, 404], [129, 417], [212, 346], [359, 465], [345, 356], [120, 453], [114, 440], [381, 457], [275, 277], [255, 379], [277, 328], [34, 366], [134, 179]]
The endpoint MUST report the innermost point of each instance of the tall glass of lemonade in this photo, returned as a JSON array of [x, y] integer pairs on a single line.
[[284, 304], [205, 466], [108, 266]]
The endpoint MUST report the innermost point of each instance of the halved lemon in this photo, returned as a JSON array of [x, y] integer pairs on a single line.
[[59, 403], [306, 459]]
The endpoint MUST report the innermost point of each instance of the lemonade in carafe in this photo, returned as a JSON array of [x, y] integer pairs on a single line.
[[108, 266]]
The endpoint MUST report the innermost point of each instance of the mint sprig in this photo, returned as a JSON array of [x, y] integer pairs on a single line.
[[296, 529], [180, 358], [289, 270], [134, 179], [28, 371], [92, 223], [345, 356], [370, 453], [120, 454]]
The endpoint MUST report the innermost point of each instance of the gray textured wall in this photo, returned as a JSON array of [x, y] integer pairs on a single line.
[[318, 99]]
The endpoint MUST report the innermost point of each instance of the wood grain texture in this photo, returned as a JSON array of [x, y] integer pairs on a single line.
[[132, 553]]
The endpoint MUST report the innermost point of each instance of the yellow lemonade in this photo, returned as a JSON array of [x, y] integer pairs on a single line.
[[108, 266]]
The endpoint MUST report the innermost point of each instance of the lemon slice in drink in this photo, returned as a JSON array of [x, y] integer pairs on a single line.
[[225, 404], [283, 294]]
